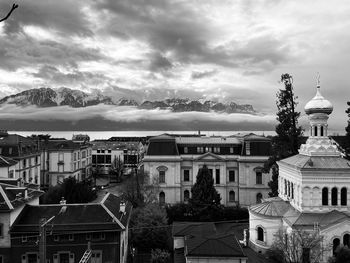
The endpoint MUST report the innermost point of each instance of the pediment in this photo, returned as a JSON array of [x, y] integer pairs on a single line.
[[209, 157]]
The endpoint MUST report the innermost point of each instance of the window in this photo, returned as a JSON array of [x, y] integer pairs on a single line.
[[216, 149], [36, 159], [200, 149], [260, 234], [10, 150], [32, 257], [60, 157], [207, 149], [231, 175], [24, 239], [258, 198], [217, 176], [25, 176], [1, 230], [343, 196], [325, 196], [231, 150], [186, 195], [336, 243], [231, 196], [346, 240], [11, 174], [161, 198], [334, 196], [109, 151], [185, 149], [315, 131], [98, 151], [161, 176], [186, 175], [321, 130], [24, 162], [258, 177], [83, 154], [247, 148]]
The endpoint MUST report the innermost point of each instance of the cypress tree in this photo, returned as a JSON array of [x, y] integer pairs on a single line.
[[203, 191]]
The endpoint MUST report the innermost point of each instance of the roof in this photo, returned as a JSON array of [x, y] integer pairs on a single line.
[[214, 246], [64, 145], [162, 145], [207, 140], [6, 161], [275, 207], [95, 216], [193, 228], [14, 139], [314, 162], [114, 145], [13, 196]]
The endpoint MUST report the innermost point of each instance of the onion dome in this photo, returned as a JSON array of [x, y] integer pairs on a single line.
[[318, 104]]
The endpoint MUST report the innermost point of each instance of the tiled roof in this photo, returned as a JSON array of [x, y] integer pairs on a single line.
[[323, 219], [14, 139], [275, 207], [207, 140], [323, 162], [94, 216], [213, 246], [6, 161]]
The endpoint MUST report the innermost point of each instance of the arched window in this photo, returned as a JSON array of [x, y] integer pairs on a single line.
[[343, 196], [315, 131], [260, 231], [161, 198], [334, 196], [336, 243], [321, 131], [325, 196], [186, 195], [258, 198], [346, 240], [231, 196]]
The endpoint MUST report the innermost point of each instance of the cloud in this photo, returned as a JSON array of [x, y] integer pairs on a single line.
[[159, 63], [125, 114], [203, 74], [63, 16]]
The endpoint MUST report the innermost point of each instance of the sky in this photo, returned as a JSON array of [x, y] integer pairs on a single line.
[[227, 50]]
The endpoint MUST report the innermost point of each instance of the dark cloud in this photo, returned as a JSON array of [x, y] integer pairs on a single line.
[[64, 16], [169, 26], [159, 63], [21, 51], [203, 74], [52, 75]]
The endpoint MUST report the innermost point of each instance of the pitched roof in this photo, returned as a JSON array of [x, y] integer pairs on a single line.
[[6, 161], [314, 162], [12, 196], [193, 228], [214, 246], [69, 217]]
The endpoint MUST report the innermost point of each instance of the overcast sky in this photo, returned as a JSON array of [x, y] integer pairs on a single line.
[[220, 50]]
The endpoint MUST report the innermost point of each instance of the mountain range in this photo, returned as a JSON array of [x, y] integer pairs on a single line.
[[47, 97]]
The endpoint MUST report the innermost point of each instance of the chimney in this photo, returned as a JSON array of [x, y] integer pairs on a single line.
[[122, 207], [63, 201], [64, 207], [26, 194]]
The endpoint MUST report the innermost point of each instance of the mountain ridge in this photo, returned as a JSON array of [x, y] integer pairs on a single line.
[[48, 97]]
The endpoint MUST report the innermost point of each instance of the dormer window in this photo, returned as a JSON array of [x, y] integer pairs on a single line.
[[185, 149]]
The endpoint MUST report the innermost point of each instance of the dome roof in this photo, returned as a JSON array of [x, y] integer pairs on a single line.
[[318, 104], [275, 207]]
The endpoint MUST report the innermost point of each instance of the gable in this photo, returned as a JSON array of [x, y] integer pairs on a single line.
[[209, 157]]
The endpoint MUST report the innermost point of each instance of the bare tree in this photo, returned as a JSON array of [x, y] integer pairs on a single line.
[[14, 6], [298, 246]]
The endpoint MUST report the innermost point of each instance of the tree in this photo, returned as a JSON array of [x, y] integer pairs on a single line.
[[296, 247], [159, 256], [149, 228], [203, 191], [139, 189], [14, 6], [348, 127], [287, 140], [71, 190]]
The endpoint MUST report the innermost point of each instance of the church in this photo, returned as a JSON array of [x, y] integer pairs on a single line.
[[313, 189]]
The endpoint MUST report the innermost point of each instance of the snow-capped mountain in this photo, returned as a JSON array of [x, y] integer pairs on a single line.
[[47, 97]]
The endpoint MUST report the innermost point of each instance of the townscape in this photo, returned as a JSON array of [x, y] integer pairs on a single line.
[[274, 188]]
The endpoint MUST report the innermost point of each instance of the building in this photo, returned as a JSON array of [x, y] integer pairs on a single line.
[[235, 162], [107, 154], [7, 167], [13, 198], [63, 158], [26, 152], [103, 225], [313, 190]]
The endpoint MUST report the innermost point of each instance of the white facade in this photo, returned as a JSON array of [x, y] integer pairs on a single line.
[[237, 177], [313, 190]]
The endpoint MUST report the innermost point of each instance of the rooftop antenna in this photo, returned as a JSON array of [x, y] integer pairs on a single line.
[[318, 76]]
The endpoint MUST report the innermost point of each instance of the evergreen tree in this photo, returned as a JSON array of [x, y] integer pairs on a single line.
[[203, 191], [347, 128], [287, 140]]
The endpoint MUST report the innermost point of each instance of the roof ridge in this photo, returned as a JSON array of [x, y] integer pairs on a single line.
[[2, 158], [113, 216], [7, 200], [201, 243]]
